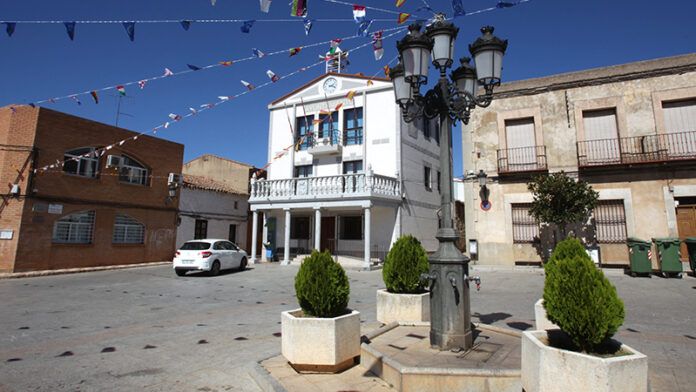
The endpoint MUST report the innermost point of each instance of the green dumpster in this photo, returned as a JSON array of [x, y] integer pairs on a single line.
[[691, 249], [668, 255], [638, 255]]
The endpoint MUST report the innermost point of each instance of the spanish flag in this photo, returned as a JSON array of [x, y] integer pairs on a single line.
[[403, 17]]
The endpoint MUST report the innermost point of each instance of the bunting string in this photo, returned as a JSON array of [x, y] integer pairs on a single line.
[[366, 7], [192, 112]]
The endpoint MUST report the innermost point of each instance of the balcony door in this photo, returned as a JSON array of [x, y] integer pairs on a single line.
[[680, 126], [602, 136], [520, 137], [328, 234]]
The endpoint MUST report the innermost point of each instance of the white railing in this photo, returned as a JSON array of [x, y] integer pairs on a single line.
[[346, 185]]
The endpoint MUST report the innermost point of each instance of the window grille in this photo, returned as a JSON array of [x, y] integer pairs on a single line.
[[75, 228], [524, 227], [610, 221], [128, 230], [81, 162]]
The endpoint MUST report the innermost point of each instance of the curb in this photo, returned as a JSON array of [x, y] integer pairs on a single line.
[[263, 378], [34, 274]]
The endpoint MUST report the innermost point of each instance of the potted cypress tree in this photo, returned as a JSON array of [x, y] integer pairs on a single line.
[[581, 356], [405, 299], [323, 335]]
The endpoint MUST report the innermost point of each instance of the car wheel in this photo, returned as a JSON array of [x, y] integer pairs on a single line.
[[243, 264], [215, 269], [180, 272]]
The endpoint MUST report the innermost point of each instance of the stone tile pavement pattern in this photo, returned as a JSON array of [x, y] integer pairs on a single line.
[[159, 332]]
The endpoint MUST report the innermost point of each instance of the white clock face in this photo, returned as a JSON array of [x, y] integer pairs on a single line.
[[330, 85]]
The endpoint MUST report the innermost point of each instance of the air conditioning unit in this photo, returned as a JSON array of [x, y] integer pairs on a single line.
[[174, 178], [113, 161]]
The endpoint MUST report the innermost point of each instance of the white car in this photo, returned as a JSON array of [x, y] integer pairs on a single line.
[[211, 255]]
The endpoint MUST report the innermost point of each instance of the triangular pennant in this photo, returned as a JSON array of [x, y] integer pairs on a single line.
[[193, 67], [399, 3], [70, 29], [246, 26], [226, 63], [257, 53], [186, 24], [363, 27], [94, 96], [130, 30], [76, 99], [350, 95], [458, 8], [212, 2], [307, 25], [10, 28], [174, 117], [274, 78], [168, 72], [265, 5], [121, 90], [142, 84], [505, 4], [298, 8], [403, 17], [377, 45], [295, 51], [248, 85], [386, 70]]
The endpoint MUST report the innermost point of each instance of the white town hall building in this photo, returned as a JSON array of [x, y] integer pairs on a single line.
[[347, 174]]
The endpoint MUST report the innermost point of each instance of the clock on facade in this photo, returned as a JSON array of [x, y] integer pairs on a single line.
[[330, 85]]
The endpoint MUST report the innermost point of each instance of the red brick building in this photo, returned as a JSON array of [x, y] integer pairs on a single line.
[[82, 213]]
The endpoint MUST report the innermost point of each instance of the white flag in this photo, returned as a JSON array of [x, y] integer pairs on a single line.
[[265, 5]]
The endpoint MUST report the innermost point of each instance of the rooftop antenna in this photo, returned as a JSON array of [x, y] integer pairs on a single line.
[[119, 97]]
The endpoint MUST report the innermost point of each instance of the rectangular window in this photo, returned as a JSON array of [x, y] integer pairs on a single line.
[[75, 228], [610, 221], [132, 171], [439, 181], [680, 116], [299, 228], [521, 140], [232, 236], [524, 227], [427, 178], [303, 171], [352, 167], [236, 205], [426, 128], [201, 229], [436, 134], [351, 227], [353, 126], [328, 128], [304, 137]]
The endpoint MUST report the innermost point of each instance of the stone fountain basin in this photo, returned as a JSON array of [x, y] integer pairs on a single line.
[[400, 354]]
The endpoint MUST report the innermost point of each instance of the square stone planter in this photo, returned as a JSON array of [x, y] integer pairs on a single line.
[[545, 368], [326, 345], [404, 308], [542, 323]]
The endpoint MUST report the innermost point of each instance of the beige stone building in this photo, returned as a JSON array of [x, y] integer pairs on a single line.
[[629, 130]]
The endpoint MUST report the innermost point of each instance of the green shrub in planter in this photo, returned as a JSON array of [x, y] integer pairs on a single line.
[[322, 287], [570, 247], [405, 263], [581, 301]]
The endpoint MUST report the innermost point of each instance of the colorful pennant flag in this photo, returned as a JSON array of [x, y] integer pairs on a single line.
[[274, 78], [142, 84], [299, 8], [350, 95], [386, 70], [505, 4], [174, 117], [248, 85], [226, 63], [377, 45], [265, 5], [94, 96], [130, 30], [121, 90], [185, 24], [403, 17], [70, 29], [458, 8], [358, 12], [222, 98], [307, 25], [363, 27], [193, 67], [76, 99], [258, 53], [399, 3], [246, 27], [167, 72], [193, 111], [295, 51], [334, 45], [10, 28]]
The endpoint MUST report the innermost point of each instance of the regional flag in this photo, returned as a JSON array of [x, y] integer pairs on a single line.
[[299, 8], [121, 90], [358, 12]]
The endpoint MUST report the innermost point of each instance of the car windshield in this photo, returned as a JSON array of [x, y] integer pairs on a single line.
[[196, 246]]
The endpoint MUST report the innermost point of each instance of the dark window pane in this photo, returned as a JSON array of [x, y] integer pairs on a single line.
[[195, 246], [351, 227]]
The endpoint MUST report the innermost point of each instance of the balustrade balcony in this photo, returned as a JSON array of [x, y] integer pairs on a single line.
[[668, 147], [354, 186]]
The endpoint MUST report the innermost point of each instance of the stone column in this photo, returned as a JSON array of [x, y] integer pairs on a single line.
[[254, 229], [286, 256], [317, 229], [368, 223]]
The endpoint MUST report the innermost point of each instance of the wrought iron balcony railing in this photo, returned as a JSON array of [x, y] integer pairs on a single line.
[[637, 149], [522, 159]]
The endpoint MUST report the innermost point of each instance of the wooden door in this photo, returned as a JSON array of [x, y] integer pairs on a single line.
[[686, 225], [328, 234]]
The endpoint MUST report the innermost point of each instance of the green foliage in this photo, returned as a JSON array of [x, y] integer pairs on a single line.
[[405, 263], [568, 248], [322, 287], [561, 200], [580, 299]]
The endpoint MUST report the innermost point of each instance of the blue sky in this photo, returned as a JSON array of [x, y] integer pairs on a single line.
[[39, 61]]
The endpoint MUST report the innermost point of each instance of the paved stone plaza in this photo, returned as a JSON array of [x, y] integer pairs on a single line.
[[146, 329]]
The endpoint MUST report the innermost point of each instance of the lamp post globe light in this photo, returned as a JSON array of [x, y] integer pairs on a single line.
[[450, 314]]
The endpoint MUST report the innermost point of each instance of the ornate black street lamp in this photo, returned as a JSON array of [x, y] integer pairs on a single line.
[[450, 314]]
